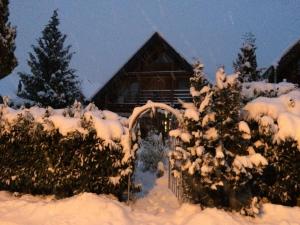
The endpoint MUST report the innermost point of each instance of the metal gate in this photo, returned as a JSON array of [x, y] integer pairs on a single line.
[[175, 185]]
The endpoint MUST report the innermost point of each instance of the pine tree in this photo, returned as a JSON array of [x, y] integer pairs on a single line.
[[8, 60], [51, 81], [246, 63]]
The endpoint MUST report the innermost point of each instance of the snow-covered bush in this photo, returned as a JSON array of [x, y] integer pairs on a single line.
[[152, 151], [275, 124], [216, 165], [64, 151]]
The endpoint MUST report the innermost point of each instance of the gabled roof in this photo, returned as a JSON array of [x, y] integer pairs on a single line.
[[155, 39], [289, 54]]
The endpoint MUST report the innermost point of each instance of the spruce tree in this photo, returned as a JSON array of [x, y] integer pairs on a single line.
[[246, 63], [8, 60], [214, 158], [51, 81]]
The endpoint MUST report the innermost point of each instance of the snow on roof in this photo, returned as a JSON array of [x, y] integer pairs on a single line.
[[286, 51], [8, 87]]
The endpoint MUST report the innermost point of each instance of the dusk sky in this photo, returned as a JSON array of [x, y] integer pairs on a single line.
[[105, 34]]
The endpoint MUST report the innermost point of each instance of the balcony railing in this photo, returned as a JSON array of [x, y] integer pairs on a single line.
[[130, 101], [165, 96]]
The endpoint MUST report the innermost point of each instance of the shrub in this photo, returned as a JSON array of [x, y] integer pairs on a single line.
[[280, 181]]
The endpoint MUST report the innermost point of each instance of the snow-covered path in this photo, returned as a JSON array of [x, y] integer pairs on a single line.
[[158, 207], [159, 200]]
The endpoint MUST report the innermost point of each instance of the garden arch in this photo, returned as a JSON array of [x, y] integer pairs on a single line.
[[138, 112]]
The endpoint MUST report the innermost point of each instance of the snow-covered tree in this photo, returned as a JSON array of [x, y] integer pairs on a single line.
[[8, 59], [216, 164], [246, 63], [185, 158], [238, 162], [51, 81]]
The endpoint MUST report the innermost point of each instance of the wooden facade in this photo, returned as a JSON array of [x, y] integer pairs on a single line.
[[287, 68], [156, 72]]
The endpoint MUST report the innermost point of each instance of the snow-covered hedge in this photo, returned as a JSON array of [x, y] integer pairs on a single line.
[[252, 90], [64, 151]]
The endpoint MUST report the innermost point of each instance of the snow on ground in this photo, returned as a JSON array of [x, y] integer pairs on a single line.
[[159, 207], [158, 200]]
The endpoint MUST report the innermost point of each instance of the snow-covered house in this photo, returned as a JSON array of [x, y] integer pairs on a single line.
[[155, 72], [287, 66]]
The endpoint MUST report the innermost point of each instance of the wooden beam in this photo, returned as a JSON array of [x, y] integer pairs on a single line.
[[173, 77]]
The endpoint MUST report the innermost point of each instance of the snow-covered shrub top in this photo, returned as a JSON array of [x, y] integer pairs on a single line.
[[223, 80], [248, 161], [244, 128], [108, 125], [251, 90], [280, 115]]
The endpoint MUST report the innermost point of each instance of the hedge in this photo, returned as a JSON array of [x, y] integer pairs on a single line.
[[36, 158]]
